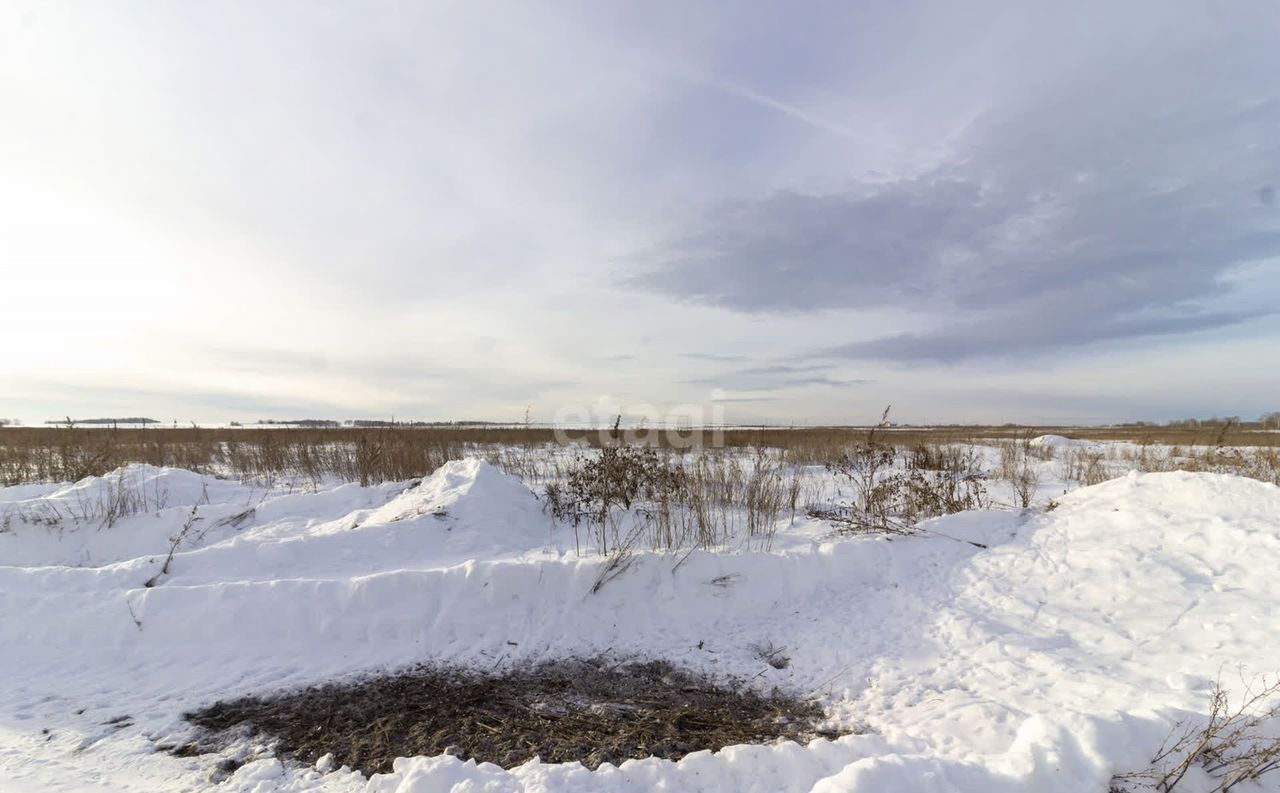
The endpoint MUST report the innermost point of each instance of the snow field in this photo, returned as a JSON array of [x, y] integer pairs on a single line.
[[1048, 661]]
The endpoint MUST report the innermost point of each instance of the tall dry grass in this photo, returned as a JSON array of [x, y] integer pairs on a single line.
[[369, 455], [626, 497]]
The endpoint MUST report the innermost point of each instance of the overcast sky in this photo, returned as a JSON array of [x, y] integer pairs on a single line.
[[788, 212]]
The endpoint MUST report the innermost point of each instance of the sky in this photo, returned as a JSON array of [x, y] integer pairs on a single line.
[[748, 212]]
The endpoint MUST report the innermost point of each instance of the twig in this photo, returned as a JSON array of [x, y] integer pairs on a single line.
[[173, 547]]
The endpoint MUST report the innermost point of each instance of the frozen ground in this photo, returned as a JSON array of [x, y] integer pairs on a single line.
[[1058, 655]]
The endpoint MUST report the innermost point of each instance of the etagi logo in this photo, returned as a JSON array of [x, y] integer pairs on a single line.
[[680, 426]]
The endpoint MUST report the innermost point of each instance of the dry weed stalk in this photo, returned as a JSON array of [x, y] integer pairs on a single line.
[[1236, 743]]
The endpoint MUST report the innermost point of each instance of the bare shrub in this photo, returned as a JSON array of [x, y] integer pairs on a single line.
[[767, 492], [951, 458], [936, 481], [1011, 456], [1234, 744], [1018, 465], [863, 466], [918, 495], [174, 542], [1025, 482], [615, 479], [40, 513], [629, 495], [1086, 466], [1147, 458], [1261, 463]]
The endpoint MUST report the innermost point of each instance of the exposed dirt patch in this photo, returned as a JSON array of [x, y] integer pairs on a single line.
[[593, 711]]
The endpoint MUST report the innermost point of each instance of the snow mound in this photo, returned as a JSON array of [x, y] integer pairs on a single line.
[[1058, 442], [473, 511], [465, 510], [129, 512], [149, 486]]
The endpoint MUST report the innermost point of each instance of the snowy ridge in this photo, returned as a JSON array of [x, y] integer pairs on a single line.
[[1048, 661], [1060, 442]]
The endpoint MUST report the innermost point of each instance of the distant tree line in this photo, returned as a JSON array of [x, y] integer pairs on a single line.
[[369, 423], [376, 423], [126, 420], [1265, 421]]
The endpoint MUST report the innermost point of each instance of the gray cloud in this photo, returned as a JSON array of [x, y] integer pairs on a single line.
[[708, 356], [212, 405], [781, 369], [790, 251], [1112, 202], [1069, 328], [776, 377]]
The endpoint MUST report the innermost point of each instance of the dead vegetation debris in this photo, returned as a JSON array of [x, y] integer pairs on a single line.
[[590, 710]]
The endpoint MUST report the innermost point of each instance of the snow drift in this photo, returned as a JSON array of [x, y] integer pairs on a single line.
[[1059, 442]]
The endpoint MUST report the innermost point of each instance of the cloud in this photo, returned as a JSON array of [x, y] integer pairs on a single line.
[[213, 405], [467, 209], [776, 377], [780, 369], [708, 356], [998, 337], [1114, 201], [795, 252]]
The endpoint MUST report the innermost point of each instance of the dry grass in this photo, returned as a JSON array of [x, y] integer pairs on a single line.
[[632, 496], [356, 455], [1090, 466], [592, 711], [49, 454]]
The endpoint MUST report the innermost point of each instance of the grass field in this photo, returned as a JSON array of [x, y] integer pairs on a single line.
[[367, 455]]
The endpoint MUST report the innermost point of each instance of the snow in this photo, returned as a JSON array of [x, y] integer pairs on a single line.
[[1059, 442], [1053, 658]]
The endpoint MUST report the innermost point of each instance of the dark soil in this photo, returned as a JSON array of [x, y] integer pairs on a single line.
[[593, 711]]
